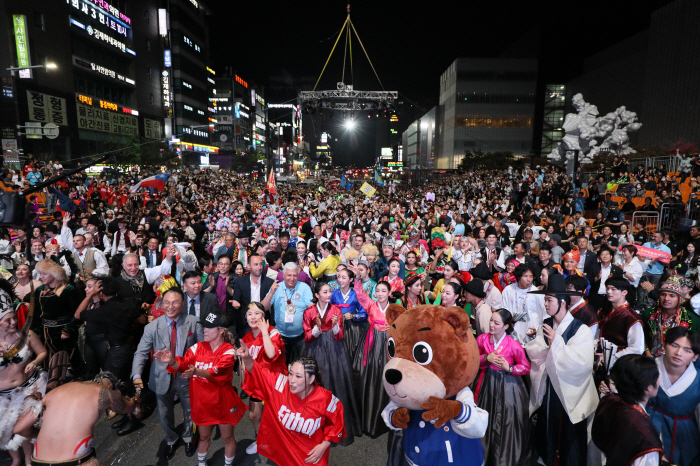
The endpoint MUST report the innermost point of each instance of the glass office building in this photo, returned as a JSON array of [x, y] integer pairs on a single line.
[[488, 105]]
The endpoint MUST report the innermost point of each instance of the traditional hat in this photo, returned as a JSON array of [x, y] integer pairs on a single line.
[[556, 286], [6, 303], [672, 285], [52, 244], [572, 255], [687, 282], [388, 241], [411, 278], [482, 272], [52, 268], [437, 239], [475, 287], [245, 233], [490, 230]]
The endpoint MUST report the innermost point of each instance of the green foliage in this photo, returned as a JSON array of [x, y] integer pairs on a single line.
[[479, 160], [247, 161], [141, 151]]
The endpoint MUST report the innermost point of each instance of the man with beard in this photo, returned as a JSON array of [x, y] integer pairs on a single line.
[[135, 282]]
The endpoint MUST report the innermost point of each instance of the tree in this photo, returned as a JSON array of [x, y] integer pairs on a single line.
[[248, 161], [142, 152], [479, 160]]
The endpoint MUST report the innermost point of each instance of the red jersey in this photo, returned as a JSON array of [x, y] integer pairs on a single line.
[[291, 427], [104, 192], [213, 401], [277, 364]]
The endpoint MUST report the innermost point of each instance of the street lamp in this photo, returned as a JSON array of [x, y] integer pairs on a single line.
[[48, 66]]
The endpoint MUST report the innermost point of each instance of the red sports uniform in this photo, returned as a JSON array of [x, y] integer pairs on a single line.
[[213, 401], [292, 427], [278, 364]]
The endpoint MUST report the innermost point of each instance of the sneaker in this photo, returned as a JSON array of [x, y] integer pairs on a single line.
[[252, 448]]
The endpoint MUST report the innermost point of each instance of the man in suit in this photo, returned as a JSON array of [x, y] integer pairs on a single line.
[[197, 302], [588, 262], [176, 331], [254, 287], [597, 295], [152, 254]]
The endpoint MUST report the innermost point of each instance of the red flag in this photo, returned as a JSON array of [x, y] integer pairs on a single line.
[[271, 183]]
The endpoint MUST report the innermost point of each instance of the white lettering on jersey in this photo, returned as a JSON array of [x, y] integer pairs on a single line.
[[295, 422], [332, 405], [281, 382], [206, 366], [254, 351]]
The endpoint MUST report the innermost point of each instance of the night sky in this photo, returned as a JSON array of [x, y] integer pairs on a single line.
[[410, 43]]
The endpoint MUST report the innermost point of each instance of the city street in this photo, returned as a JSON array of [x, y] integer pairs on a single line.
[[144, 447]]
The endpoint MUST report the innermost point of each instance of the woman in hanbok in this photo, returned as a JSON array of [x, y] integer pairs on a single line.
[[354, 315], [395, 282], [323, 341], [503, 279], [672, 410], [412, 264], [326, 269], [373, 395], [450, 270], [364, 268], [414, 295], [500, 390]]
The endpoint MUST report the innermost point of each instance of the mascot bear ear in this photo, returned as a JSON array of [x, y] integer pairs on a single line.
[[459, 320], [393, 312]]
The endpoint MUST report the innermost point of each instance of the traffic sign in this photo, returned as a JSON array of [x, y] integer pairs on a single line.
[[34, 130], [51, 130]]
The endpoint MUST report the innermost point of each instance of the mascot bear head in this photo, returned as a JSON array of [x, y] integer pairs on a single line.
[[432, 352]]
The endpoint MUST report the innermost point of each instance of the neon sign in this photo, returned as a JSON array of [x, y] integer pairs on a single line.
[[111, 10], [87, 100], [240, 81]]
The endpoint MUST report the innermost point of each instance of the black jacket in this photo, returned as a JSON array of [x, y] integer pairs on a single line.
[[241, 293]]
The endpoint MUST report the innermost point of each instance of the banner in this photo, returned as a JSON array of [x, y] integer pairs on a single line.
[[368, 190], [106, 121], [46, 108], [651, 253]]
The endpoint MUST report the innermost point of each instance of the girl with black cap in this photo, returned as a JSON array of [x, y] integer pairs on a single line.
[[209, 364]]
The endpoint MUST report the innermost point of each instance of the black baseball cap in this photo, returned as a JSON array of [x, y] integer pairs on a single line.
[[213, 320]]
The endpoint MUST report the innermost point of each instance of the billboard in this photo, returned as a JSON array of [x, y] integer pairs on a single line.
[[386, 153]]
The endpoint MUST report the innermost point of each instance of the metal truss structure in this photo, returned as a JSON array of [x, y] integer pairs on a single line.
[[346, 98]]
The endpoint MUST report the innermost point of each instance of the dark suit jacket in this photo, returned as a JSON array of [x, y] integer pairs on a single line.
[[159, 257], [241, 293], [595, 283], [207, 303], [591, 267], [147, 294]]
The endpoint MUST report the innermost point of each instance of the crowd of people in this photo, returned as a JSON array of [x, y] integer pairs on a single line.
[[587, 325]]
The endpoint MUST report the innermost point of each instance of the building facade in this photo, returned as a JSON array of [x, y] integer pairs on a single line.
[[486, 104]]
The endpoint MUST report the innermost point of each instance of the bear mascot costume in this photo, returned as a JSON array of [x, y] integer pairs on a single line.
[[432, 360]]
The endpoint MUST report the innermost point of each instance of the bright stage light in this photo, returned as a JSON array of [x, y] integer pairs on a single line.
[[350, 124]]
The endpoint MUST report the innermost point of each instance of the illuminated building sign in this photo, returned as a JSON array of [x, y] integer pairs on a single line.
[[211, 71], [23, 57], [240, 81], [211, 80], [163, 22], [395, 164], [199, 147], [394, 118], [94, 102], [187, 85], [46, 108], [195, 132], [167, 59], [386, 153], [324, 138], [189, 42], [258, 137], [104, 16], [292, 106], [106, 120], [165, 85], [260, 125], [260, 99], [194, 2], [111, 10], [104, 71]]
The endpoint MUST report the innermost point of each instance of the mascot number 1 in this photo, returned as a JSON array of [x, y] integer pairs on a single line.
[[433, 358]]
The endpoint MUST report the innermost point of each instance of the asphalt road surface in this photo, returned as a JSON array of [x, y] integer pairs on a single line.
[[145, 447]]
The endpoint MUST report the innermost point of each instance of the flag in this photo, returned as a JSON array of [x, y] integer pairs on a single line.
[[368, 190], [271, 183], [377, 179], [344, 183], [157, 182]]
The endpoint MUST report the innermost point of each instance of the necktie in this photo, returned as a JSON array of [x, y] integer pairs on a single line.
[[153, 259], [173, 338], [192, 310]]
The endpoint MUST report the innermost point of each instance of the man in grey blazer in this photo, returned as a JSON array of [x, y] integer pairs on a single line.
[[175, 329], [198, 303]]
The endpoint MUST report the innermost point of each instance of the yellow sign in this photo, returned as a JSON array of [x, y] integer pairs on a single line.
[[368, 189]]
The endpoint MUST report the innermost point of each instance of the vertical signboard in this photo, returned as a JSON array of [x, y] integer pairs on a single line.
[[23, 57], [167, 59], [46, 108]]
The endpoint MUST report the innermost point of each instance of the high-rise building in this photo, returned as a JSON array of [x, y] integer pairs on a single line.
[[486, 104], [418, 142], [98, 75]]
